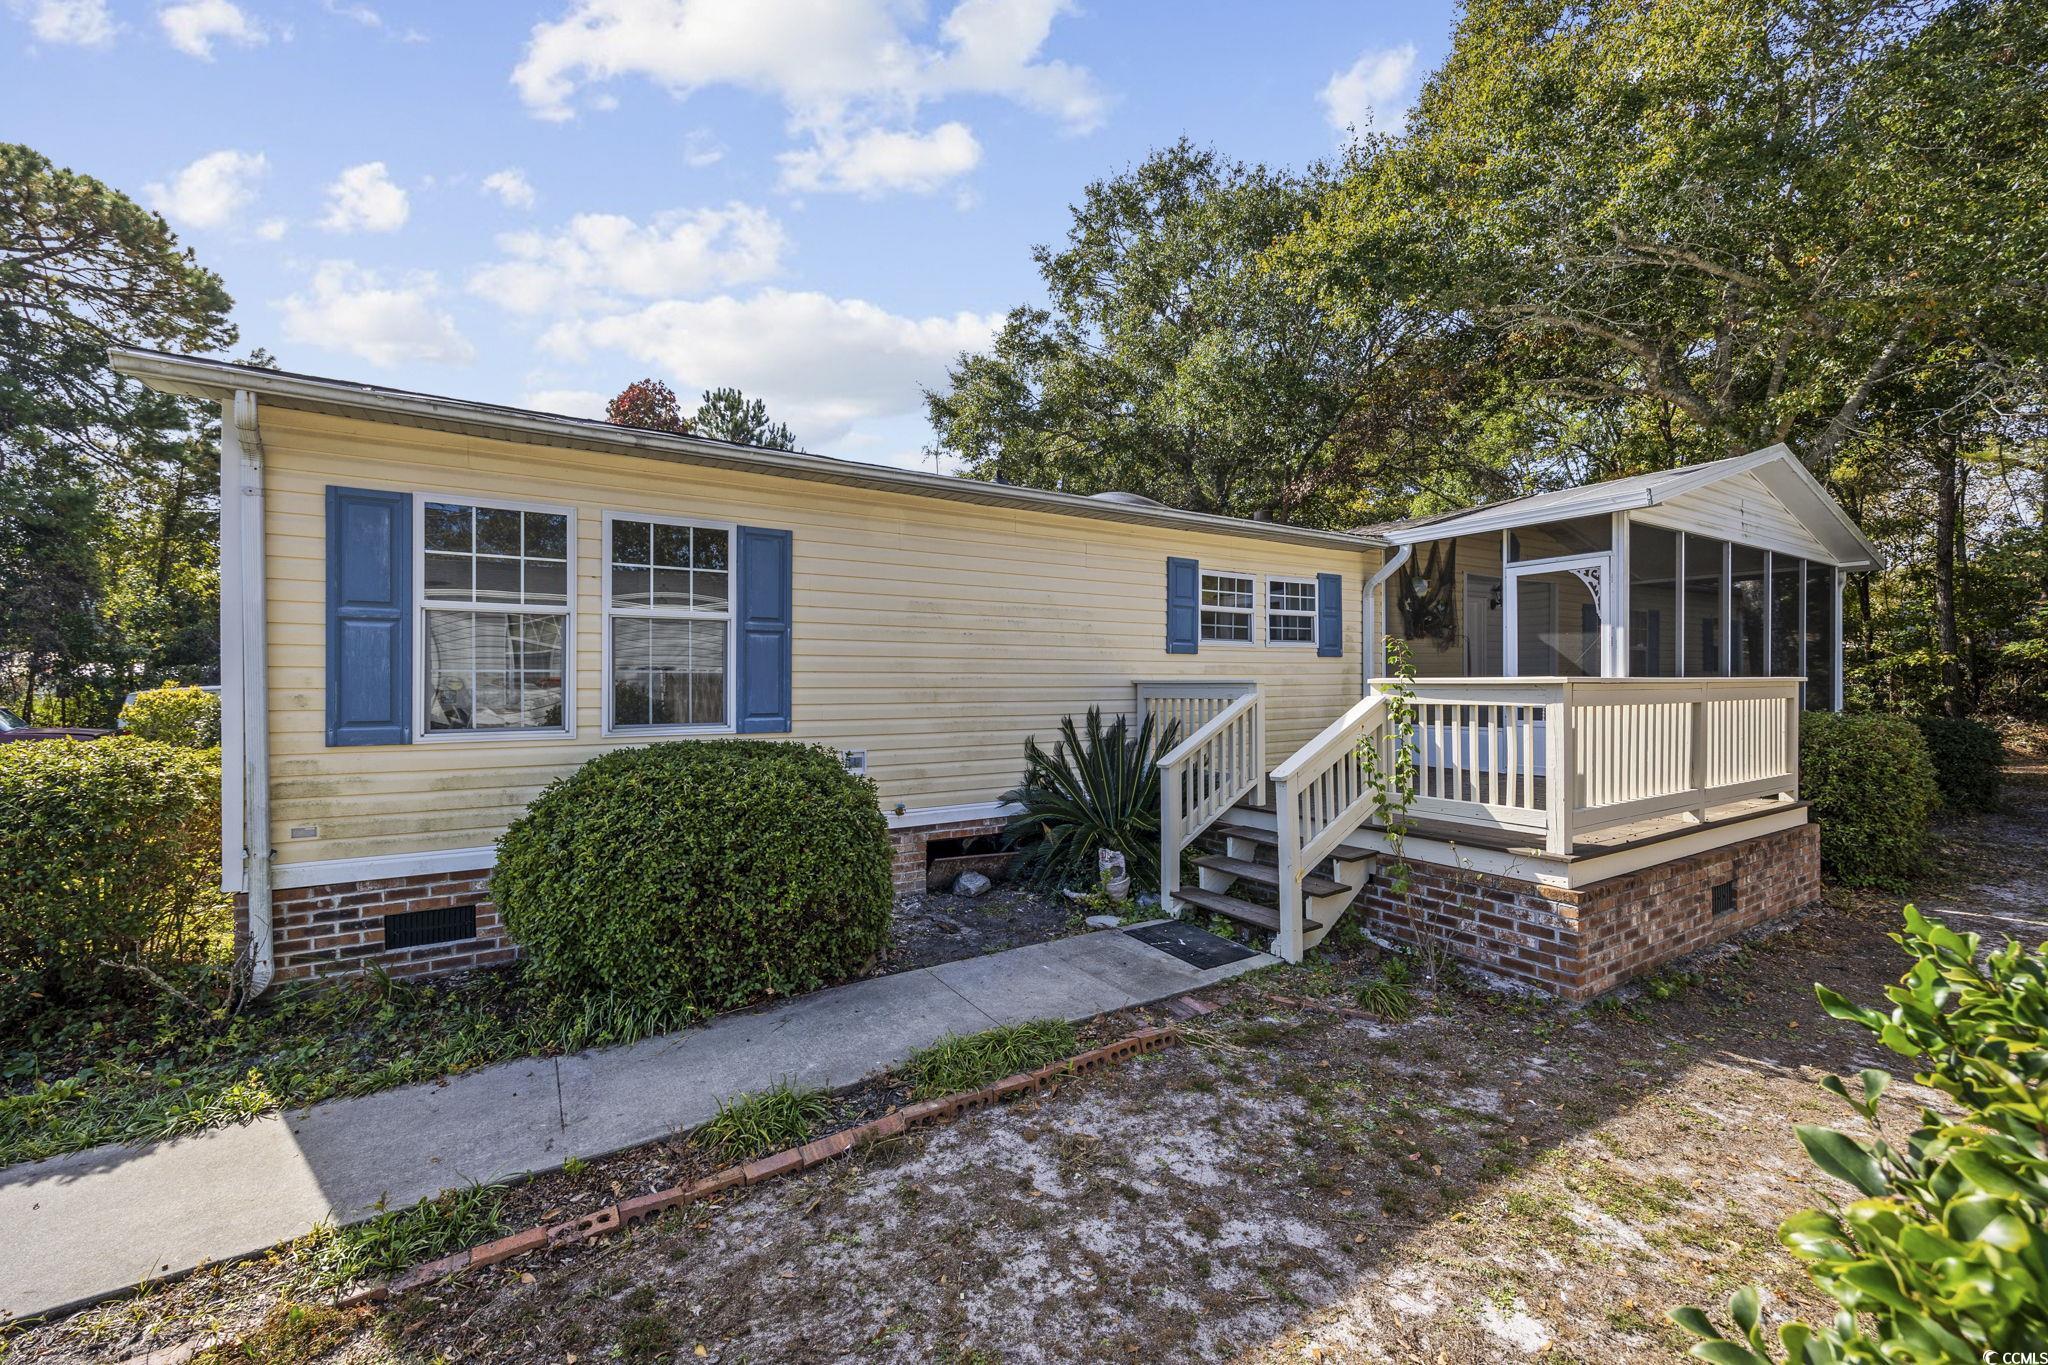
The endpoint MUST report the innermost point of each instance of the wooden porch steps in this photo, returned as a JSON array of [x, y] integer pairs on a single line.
[[1266, 874], [1348, 848], [1258, 916]]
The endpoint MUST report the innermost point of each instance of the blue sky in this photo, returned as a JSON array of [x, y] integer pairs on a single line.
[[821, 201]]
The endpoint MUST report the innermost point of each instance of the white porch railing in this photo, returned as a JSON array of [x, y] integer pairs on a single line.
[[1634, 748], [1220, 760], [1320, 796], [1486, 750], [1193, 703]]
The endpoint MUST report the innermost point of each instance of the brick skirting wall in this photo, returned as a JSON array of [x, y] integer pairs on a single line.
[[906, 870], [338, 930], [1582, 943]]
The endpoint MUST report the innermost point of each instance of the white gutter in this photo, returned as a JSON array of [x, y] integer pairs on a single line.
[[1375, 656], [245, 682]]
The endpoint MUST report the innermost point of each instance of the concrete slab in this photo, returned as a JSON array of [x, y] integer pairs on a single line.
[[82, 1227], [832, 1038]]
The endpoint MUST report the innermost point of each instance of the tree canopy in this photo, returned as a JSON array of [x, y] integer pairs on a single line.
[[647, 403], [107, 491], [729, 415]]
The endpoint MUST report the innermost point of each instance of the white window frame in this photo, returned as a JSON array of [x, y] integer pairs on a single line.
[[421, 606], [1314, 612], [1252, 613], [729, 616]]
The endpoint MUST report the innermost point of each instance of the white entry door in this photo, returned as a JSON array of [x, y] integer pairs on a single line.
[[1485, 656], [1558, 618]]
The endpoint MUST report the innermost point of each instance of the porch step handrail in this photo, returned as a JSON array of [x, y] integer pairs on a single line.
[[1205, 775], [1321, 795]]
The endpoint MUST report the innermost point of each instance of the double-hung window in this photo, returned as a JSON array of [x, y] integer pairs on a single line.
[[1290, 611], [1227, 600], [668, 610], [494, 598]]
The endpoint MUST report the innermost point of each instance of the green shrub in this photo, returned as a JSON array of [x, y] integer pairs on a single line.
[[696, 876], [1966, 756], [1944, 1256], [111, 849], [1093, 791], [1871, 783], [175, 714]]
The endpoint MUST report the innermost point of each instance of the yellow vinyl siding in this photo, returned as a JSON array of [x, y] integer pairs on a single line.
[[935, 635]]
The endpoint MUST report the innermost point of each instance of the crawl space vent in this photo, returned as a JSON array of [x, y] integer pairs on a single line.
[[418, 928]]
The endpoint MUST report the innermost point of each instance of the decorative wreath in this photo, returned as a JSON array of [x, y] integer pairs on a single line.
[[1428, 609]]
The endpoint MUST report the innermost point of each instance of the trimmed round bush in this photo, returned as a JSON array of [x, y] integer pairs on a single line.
[[111, 849], [175, 714], [1966, 755], [1872, 786], [698, 875]]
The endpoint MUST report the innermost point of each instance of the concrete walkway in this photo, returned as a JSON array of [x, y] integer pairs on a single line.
[[84, 1226]]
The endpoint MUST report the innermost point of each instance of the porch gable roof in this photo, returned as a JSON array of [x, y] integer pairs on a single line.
[[1780, 471]]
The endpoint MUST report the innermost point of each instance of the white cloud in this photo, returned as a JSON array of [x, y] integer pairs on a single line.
[[211, 191], [851, 74], [511, 186], [193, 25], [1373, 92], [821, 363], [75, 23], [701, 149], [348, 308], [603, 260], [567, 402], [364, 198], [878, 161], [361, 14], [272, 229]]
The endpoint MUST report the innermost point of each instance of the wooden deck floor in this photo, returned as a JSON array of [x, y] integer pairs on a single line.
[[1618, 839]]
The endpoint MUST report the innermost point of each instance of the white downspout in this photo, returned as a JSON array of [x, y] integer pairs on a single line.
[[245, 677], [1373, 651]]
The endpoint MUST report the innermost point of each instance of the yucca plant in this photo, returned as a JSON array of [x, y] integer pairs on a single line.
[[1097, 789]]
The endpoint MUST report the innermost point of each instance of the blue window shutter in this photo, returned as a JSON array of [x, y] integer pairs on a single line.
[[764, 644], [1330, 615], [369, 617], [1183, 606]]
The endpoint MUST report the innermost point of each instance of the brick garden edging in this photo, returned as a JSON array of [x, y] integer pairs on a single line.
[[788, 1161]]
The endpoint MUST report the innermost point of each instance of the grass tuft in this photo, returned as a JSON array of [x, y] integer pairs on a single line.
[[330, 1257], [751, 1125], [1389, 1000], [970, 1061]]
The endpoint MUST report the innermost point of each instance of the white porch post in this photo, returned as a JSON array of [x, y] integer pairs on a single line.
[[1560, 782], [1614, 629], [1842, 629]]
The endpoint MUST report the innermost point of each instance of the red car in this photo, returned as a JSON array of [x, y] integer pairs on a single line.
[[13, 727]]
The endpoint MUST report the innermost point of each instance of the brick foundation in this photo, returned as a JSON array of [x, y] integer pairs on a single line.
[[1582, 943], [908, 850], [338, 930]]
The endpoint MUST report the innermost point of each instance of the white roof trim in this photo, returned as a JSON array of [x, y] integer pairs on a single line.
[[219, 380], [1780, 470]]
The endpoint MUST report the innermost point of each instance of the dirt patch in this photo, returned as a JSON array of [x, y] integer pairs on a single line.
[[1493, 1178], [930, 929]]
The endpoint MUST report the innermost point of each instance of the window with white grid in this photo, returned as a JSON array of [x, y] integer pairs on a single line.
[[1290, 611], [1227, 601]]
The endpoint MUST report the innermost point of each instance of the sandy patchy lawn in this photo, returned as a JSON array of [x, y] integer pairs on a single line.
[[1490, 1179]]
